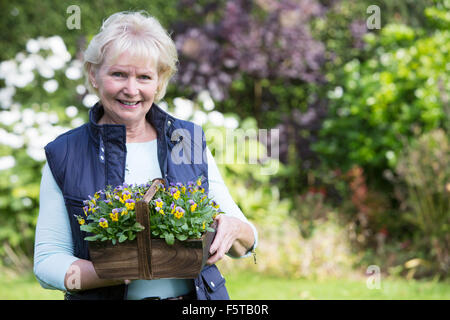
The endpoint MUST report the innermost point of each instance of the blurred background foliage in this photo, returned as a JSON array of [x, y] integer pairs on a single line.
[[362, 119]]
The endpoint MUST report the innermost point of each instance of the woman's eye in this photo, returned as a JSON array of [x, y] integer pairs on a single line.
[[117, 74], [145, 77]]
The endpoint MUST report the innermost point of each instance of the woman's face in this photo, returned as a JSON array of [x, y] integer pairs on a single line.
[[127, 88]]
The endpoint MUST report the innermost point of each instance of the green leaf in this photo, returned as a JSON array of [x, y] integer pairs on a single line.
[[138, 226], [122, 238], [181, 237], [86, 228], [170, 240], [93, 238]]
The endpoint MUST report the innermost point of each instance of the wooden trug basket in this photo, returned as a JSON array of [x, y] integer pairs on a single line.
[[148, 258]]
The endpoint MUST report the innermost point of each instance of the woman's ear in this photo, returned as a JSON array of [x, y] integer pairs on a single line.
[[92, 76]]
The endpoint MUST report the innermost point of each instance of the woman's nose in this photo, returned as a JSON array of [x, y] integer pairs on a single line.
[[131, 87]]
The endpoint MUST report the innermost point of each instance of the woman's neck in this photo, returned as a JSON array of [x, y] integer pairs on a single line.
[[143, 133]]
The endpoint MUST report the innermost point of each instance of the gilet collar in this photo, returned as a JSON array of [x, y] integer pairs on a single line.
[[158, 118]]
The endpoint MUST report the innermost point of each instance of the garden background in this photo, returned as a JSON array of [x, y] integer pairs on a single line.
[[358, 206]]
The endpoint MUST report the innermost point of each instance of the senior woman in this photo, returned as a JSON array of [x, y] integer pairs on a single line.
[[128, 139]]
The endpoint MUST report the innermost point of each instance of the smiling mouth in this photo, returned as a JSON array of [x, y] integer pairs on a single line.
[[128, 103]]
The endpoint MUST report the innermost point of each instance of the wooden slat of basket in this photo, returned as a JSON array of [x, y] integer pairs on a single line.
[[144, 237], [143, 241]]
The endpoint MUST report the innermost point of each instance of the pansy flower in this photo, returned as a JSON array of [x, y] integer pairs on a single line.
[[214, 205], [103, 223], [159, 203], [130, 204], [114, 215], [175, 193], [179, 212], [125, 196], [193, 205], [81, 221]]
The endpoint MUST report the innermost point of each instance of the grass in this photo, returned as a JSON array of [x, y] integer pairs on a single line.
[[251, 286], [260, 287], [25, 287]]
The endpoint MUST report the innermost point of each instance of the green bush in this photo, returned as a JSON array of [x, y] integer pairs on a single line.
[[425, 169], [386, 99]]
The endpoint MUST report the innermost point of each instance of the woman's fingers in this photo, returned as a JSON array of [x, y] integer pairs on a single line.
[[226, 234]]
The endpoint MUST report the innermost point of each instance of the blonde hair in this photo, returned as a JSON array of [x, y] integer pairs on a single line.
[[139, 34]]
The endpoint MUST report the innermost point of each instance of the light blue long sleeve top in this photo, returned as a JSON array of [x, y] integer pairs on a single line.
[[53, 249]]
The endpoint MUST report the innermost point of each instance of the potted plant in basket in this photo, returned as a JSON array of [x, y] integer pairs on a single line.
[[149, 231]]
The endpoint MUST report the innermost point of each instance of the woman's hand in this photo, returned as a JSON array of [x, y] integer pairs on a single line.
[[232, 235]]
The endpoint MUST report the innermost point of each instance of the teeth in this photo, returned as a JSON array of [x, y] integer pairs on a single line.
[[129, 103]]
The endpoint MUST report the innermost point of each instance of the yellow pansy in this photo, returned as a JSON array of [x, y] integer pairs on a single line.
[[103, 223]]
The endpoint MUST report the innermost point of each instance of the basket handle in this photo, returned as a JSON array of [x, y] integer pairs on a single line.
[[143, 238], [152, 190]]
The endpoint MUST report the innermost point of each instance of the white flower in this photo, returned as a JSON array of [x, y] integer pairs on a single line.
[[12, 140], [6, 95], [7, 162], [71, 111], [56, 44], [183, 108], [55, 62], [28, 117], [9, 117], [51, 85], [231, 123], [216, 118], [74, 72], [200, 118], [33, 46], [205, 98], [90, 100], [81, 89]]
